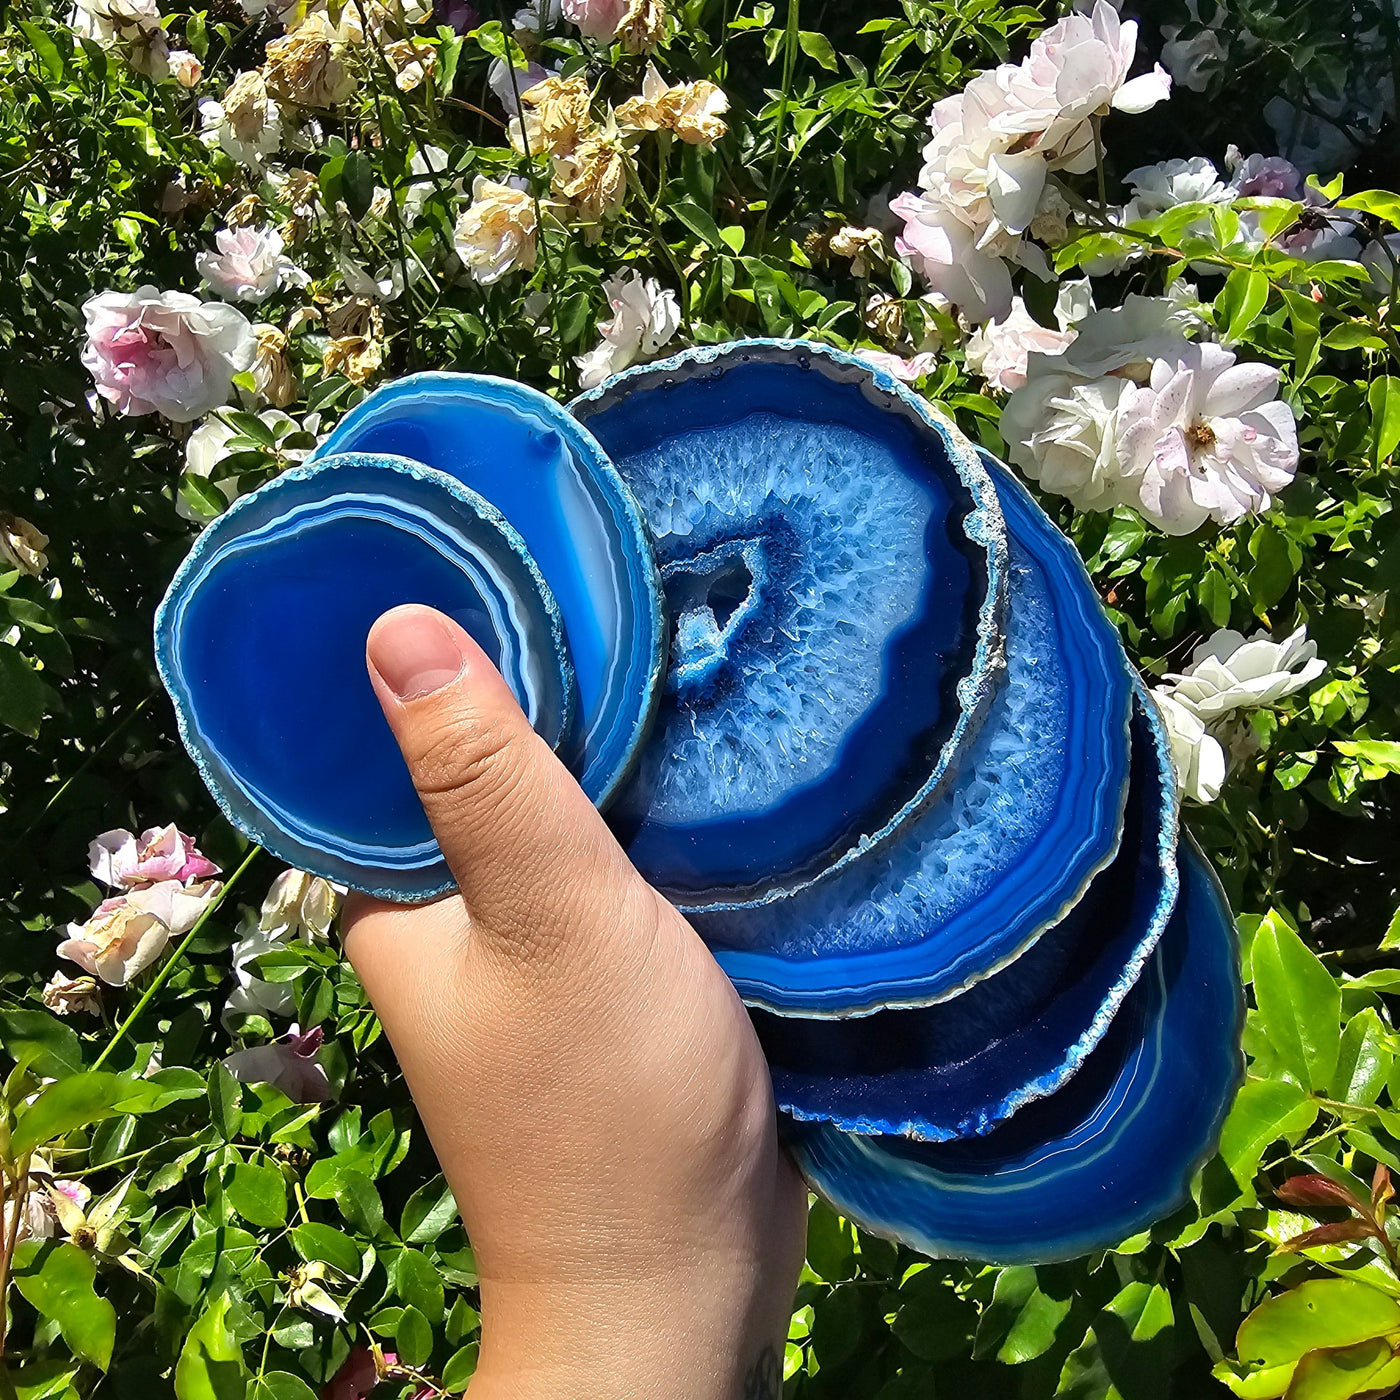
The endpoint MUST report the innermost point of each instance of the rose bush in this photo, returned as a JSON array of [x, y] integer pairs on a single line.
[[1147, 257]]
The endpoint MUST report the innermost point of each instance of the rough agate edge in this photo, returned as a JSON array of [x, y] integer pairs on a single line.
[[1089, 1166], [767, 442], [998, 857], [260, 642], [524, 453], [960, 1067]]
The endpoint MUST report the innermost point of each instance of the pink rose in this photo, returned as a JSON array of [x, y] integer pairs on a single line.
[[165, 352], [119, 860], [598, 19], [124, 936], [289, 1064]]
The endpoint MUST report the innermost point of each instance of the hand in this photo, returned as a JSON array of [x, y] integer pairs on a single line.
[[587, 1074]]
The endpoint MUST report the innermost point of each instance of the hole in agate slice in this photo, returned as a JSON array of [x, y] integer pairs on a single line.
[[522, 452], [808, 716], [1112, 1151], [261, 644]]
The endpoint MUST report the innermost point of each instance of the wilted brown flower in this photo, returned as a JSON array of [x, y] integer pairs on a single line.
[[862, 245], [643, 25], [247, 212], [308, 67], [555, 115], [273, 374], [884, 315], [70, 995], [594, 177], [691, 110], [354, 356], [356, 316], [245, 106], [413, 62], [22, 545]]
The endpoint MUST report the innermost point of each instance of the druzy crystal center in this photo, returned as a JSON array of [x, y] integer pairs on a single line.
[[712, 597]]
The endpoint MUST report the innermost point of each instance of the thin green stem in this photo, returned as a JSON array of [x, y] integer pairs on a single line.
[[780, 121], [163, 976]]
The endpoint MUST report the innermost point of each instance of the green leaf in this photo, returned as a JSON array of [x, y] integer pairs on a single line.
[[1381, 753], [1239, 302], [23, 696], [933, 1321], [831, 1248], [1381, 203], [316, 1242], [45, 48], [1333, 1312], [1299, 1002], [357, 184], [38, 1380], [225, 1102], [1368, 1368], [281, 1385], [81, 1100], [1364, 1060], [211, 1361], [42, 1042], [417, 1283], [56, 1281], [252, 427], [1127, 1351], [818, 46], [258, 1194], [1264, 1111], [1384, 398], [698, 222], [460, 1368], [429, 1211], [413, 1338], [1020, 1322]]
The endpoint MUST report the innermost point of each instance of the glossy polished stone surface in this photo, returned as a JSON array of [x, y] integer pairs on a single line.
[[1098, 1161], [960, 1067], [523, 452], [260, 641], [1032, 813], [834, 564]]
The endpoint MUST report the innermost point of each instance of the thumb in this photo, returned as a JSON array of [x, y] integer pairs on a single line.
[[533, 858]]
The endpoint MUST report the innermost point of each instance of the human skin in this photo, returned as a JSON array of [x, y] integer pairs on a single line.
[[587, 1074]]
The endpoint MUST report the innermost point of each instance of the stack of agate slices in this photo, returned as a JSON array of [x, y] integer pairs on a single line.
[[848, 698]]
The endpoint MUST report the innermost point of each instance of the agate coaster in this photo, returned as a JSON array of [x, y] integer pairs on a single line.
[[834, 561], [1114, 1150], [543, 472], [260, 641]]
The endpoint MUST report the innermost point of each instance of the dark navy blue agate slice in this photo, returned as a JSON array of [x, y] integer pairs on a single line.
[[834, 559], [962, 1066], [1033, 813], [260, 641], [1085, 1168], [545, 474]]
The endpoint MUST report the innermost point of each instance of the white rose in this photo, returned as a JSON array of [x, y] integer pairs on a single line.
[[645, 317], [249, 265], [1197, 756], [496, 232], [1062, 431], [1229, 672]]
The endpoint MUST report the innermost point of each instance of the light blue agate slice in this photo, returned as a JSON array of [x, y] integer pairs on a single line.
[[1032, 812], [962, 1066], [1111, 1152], [834, 565], [522, 451], [260, 641]]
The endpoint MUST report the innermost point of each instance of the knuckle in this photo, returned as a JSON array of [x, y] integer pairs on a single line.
[[466, 766]]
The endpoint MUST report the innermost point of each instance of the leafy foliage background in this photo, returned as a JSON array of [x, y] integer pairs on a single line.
[[211, 1198]]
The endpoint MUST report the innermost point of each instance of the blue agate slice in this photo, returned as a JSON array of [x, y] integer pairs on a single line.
[[964, 1065], [547, 475], [834, 564], [1112, 1151], [260, 641], [1033, 812]]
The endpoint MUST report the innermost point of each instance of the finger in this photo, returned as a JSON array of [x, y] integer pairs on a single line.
[[535, 862]]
